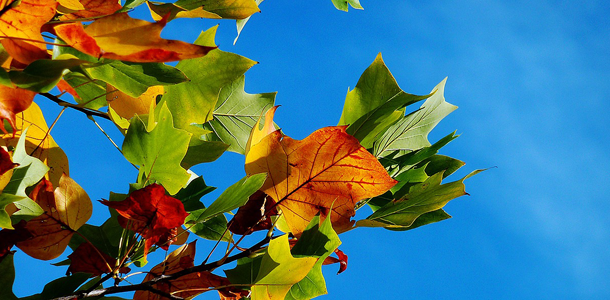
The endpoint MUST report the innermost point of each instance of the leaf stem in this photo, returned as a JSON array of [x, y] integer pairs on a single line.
[[87, 111]]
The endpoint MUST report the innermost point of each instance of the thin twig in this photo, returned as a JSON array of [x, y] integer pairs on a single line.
[[49, 131], [87, 111]]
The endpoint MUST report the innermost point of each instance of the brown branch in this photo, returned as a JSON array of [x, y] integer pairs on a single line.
[[87, 111], [148, 285]]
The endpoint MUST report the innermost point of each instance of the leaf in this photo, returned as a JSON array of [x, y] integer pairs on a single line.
[[241, 23], [10, 237], [120, 37], [158, 149], [258, 133], [5, 200], [318, 240], [234, 196], [191, 194], [422, 198], [98, 237], [43, 75], [159, 11], [134, 79], [236, 113], [65, 210], [22, 23], [227, 9], [152, 213], [63, 286], [375, 103], [200, 151], [7, 278], [186, 286], [91, 93], [39, 144], [92, 9], [70, 5], [277, 273], [13, 100], [343, 4], [214, 229], [127, 106], [87, 259], [254, 215], [411, 132], [193, 102], [6, 163], [328, 169]]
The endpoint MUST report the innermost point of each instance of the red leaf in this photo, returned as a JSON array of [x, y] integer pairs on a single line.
[[248, 215], [151, 213], [342, 260], [88, 259], [5, 161]]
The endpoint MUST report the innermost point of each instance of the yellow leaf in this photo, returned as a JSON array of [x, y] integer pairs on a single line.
[[127, 106], [73, 5]]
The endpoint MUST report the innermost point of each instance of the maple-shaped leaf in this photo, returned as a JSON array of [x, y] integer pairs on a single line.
[[66, 209], [328, 169], [275, 273], [186, 286], [38, 143], [121, 37], [20, 26], [91, 9], [151, 213], [87, 259], [13, 100]]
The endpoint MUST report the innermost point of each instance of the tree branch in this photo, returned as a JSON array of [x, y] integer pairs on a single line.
[[148, 285], [87, 111]]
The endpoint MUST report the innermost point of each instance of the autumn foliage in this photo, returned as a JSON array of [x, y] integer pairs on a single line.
[[297, 196]]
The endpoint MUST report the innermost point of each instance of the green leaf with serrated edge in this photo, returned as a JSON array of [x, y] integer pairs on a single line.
[[193, 102], [343, 4], [411, 132], [241, 23], [272, 274], [7, 277], [63, 286], [422, 198], [158, 149], [6, 199], [374, 104], [43, 75], [318, 240], [96, 236], [214, 228], [437, 163], [234, 196], [226, 9], [134, 79], [200, 151], [91, 92], [398, 162], [192, 193], [235, 114], [28, 173]]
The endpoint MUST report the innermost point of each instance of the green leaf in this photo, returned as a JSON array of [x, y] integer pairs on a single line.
[[4, 78], [91, 93], [28, 173], [236, 113], [241, 23], [7, 277], [411, 132], [227, 9], [375, 103], [191, 195], [200, 151], [343, 4], [158, 149], [63, 286], [422, 198], [6, 199], [234, 196], [214, 228], [438, 163], [43, 75], [131, 4], [425, 219], [318, 240], [273, 274], [134, 79], [193, 102], [97, 236]]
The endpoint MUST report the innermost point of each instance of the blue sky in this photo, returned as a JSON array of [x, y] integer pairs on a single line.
[[531, 79]]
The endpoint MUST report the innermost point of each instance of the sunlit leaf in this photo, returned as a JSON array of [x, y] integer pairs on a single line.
[[344, 4], [13, 100], [327, 169], [226, 9], [120, 37], [127, 106], [92, 9]]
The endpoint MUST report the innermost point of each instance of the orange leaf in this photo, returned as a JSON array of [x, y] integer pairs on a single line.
[[121, 37], [65, 210], [21, 26], [151, 213], [186, 286], [327, 169], [13, 101], [94, 8], [46, 149]]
